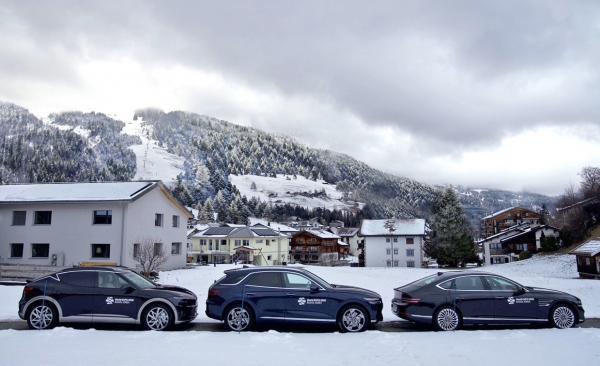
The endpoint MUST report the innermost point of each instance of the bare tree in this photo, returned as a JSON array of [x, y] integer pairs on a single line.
[[150, 253]]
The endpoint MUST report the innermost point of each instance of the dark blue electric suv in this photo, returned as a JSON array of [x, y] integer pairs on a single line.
[[249, 295]]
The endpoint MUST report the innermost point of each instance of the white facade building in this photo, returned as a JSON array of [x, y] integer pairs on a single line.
[[393, 243], [69, 223]]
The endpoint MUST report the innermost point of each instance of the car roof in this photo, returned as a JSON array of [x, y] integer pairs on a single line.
[[96, 268], [248, 269]]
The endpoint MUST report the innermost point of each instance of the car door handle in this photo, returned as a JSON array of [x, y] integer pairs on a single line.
[[250, 293], [290, 294]]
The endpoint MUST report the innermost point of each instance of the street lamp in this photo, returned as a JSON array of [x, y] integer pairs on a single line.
[[391, 226]]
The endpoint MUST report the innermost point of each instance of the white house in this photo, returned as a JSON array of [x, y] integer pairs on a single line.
[[70, 223], [349, 236], [393, 243]]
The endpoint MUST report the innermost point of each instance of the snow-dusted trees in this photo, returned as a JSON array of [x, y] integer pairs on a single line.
[[451, 231]]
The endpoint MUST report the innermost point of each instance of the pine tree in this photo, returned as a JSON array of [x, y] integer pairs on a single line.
[[451, 230]]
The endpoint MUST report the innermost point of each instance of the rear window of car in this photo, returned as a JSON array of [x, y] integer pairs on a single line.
[[425, 281], [84, 278], [232, 278]]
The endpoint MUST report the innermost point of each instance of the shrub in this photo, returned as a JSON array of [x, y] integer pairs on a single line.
[[524, 255]]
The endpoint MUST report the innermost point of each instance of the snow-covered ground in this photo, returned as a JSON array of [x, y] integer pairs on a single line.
[[286, 190], [65, 345]]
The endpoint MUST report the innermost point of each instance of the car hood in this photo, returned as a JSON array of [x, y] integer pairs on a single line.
[[356, 290], [176, 289], [540, 290]]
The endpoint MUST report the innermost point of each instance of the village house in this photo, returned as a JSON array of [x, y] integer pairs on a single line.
[[349, 236], [504, 219], [392, 243], [588, 258], [105, 222], [222, 244], [505, 246], [314, 246]]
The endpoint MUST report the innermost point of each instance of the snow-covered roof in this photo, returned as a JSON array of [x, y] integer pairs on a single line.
[[499, 212], [323, 234], [74, 192], [271, 224], [345, 231], [589, 248], [399, 226]]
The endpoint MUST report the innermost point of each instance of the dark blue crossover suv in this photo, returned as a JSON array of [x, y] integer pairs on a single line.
[[249, 295]]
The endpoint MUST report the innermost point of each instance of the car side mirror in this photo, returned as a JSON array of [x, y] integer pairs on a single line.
[[520, 291], [127, 289], [314, 288]]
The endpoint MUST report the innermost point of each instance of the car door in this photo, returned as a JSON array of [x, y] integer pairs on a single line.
[[511, 301], [75, 294], [302, 303], [114, 299], [264, 291], [471, 297]]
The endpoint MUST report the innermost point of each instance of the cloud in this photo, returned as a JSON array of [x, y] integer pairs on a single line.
[[420, 89]]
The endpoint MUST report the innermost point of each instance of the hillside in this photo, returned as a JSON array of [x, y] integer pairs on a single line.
[[205, 159]]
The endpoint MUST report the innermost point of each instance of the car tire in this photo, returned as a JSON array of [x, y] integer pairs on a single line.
[[353, 319], [562, 316], [42, 315], [238, 318], [157, 317], [447, 318]]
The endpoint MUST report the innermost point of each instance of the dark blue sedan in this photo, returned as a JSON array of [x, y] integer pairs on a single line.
[[250, 295], [448, 300]]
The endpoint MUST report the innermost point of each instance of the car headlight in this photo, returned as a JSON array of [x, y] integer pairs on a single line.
[[373, 300], [578, 301], [184, 301]]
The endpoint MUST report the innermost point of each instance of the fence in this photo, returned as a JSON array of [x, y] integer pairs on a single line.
[[22, 272]]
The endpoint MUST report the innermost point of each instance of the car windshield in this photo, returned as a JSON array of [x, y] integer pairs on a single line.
[[319, 280], [424, 281], [138, 280]]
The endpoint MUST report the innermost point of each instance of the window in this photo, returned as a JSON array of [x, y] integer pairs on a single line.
[[100, 250], [387, 240], [110, 280], [237, 242], [85, 279], [469, 283], [293, 280], [395, 250], [210, 244], [19, 217], [501, 284], [410, 240], [579, 261], [203, 242], [158, 249], [40, 250], [266, 279], [388, 251], [395, 263], [245, 242], [136, 250], [395, 240], [42, 217], [258, 241], [410, 252], [267, 242], [410, 264], [102, 217], [175, 248], [158, 219], [175, 221], [268, 257], [587, 261], [389, 263], [16, 250]]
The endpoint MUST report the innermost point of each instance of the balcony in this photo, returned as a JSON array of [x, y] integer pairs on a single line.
[[498, 251]]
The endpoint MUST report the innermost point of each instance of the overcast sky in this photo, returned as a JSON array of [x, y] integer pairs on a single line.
[[484, 94]]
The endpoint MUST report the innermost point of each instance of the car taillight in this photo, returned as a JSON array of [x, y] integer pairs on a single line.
[[213, 292], [26, 289], [410, 300]]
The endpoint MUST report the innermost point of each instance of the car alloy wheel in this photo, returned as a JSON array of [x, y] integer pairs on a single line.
[[563, 317], [353, 319], [157, 317], [447, 319], [238, 319], [42, 317]]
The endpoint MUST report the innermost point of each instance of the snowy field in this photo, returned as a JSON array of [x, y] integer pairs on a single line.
[[280, 186], [470, 347]]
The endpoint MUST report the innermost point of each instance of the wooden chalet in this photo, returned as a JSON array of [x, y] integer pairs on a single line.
[[588, 258], [313, 246], [502, 220]]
